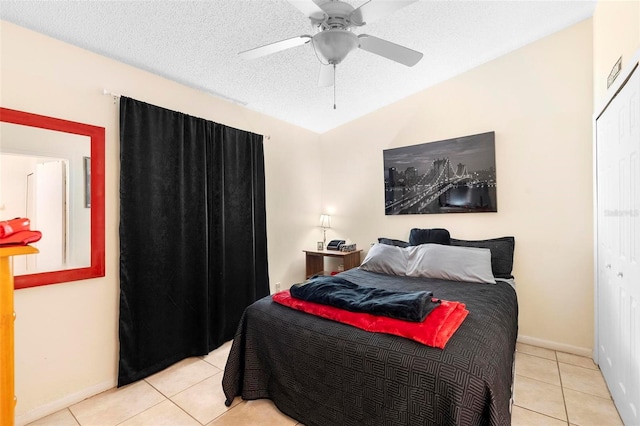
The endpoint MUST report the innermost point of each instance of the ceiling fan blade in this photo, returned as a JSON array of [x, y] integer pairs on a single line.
[[326, 75], [373, 10], [309, 8], [389, 50], [278, 46]]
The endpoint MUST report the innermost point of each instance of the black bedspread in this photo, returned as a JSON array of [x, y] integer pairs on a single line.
[[321, 372]]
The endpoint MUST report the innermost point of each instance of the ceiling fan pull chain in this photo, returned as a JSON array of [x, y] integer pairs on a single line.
[[334, 86]]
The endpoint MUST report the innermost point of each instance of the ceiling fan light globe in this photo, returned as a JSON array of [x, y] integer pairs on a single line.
[[335, 45]]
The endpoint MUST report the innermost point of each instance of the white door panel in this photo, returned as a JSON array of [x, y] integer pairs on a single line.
[[618, 237]]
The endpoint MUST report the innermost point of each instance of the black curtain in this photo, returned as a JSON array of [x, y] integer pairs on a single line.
[[193, 246]]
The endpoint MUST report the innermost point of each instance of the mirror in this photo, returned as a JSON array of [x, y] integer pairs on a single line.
[[68, 158]]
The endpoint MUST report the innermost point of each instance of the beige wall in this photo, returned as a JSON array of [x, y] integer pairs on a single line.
[[538, 100], [616, 33], [66, 334]]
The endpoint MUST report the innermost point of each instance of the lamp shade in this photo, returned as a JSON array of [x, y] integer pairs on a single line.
[[325, 221], [335, 45]]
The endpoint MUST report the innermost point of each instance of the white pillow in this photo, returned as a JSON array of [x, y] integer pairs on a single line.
[[469, 264], [385, 259]]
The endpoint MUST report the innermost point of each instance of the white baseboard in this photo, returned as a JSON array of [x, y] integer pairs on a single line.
[[64, 402], [562, 347]]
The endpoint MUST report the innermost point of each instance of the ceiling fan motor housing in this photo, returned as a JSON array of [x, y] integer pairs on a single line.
[[338, 15]]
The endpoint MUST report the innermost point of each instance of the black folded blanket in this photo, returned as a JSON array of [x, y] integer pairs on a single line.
[[340, 293]]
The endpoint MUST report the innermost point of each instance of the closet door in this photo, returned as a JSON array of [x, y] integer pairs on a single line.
[[618, 246]]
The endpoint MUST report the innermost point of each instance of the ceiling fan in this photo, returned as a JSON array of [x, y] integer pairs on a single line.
[[334, 38]]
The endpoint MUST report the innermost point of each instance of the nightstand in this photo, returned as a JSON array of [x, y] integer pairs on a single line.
[[315, 260]]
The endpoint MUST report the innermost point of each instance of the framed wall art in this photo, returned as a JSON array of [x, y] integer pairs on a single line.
[[450, 176]]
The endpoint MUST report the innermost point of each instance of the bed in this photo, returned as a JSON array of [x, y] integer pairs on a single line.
[[322, 372]]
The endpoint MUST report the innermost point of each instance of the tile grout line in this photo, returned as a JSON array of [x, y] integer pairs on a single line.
[[539, 413], [168, 398], [74, 416], [156, 389], [185, 411], [143, 411], [538, 356], [591, 395], [564, 400]]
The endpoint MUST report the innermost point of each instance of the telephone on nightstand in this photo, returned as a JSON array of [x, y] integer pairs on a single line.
[[335, 244]]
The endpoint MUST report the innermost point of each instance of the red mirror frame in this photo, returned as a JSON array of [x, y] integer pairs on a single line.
[[96, 134]]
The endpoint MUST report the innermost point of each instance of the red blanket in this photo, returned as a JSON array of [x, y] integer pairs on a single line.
[[434, 331]]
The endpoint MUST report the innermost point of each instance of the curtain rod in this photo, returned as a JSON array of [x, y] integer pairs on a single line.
[[117, 95], [216, 94], [108, 93]]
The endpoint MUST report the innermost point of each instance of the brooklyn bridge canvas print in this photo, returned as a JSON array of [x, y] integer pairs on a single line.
[[450, 176]]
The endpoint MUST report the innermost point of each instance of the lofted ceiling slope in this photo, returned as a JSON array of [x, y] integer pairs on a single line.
[[196, 43]]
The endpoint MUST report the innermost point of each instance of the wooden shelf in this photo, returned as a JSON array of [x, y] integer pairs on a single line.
[[7, 317], [17, 250]]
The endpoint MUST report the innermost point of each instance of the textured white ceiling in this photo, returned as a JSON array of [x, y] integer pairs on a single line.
[[196, 43]]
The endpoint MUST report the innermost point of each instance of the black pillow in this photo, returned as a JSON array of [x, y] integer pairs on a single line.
[[501, 253], [392, 242], [434, 235]]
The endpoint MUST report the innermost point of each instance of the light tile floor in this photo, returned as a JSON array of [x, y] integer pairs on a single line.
[[556, 388], [552, 388]]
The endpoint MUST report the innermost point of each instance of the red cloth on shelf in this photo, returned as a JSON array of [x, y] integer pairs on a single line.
[[17, 232], [8, 227], [21, 238], [435, 330]]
